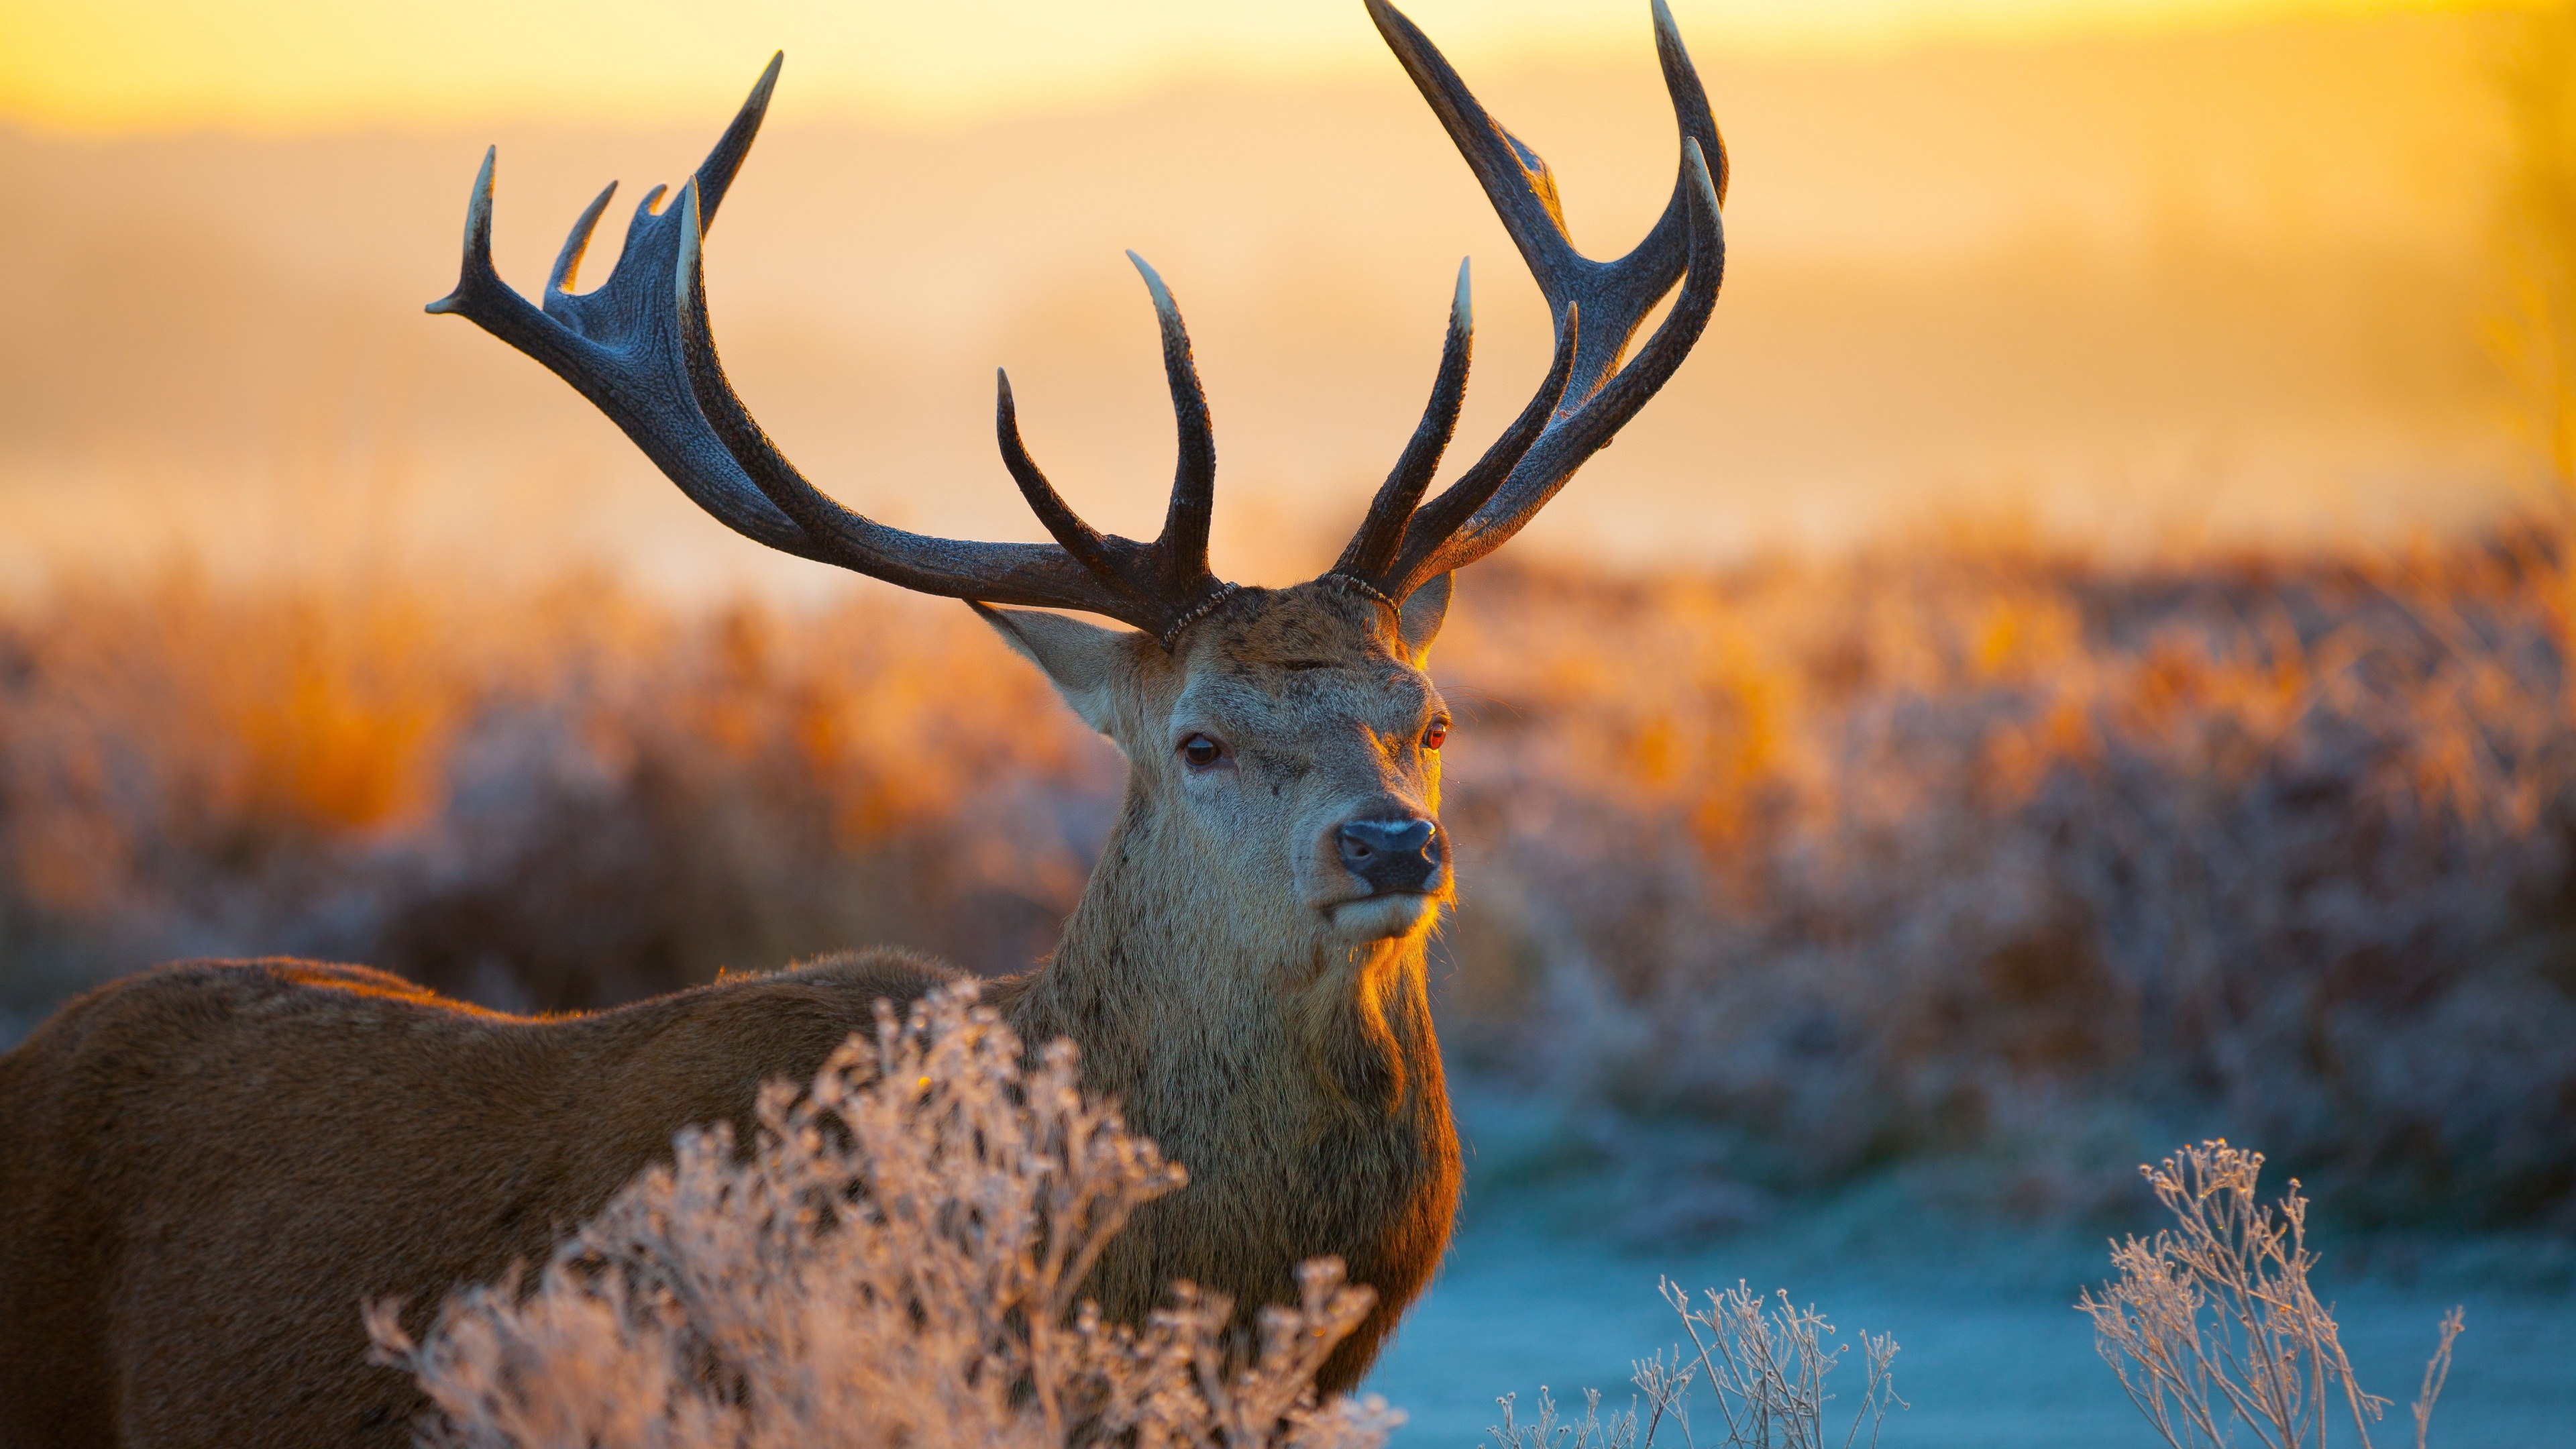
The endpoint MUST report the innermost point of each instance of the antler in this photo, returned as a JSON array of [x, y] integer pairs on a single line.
[[1598, 306], [640, 348]]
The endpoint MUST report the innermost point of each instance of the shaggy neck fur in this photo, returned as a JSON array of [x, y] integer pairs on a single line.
[[1298, 1081]]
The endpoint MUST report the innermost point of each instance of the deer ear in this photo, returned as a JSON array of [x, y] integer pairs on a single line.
[[1081, 660], [1419, 620]]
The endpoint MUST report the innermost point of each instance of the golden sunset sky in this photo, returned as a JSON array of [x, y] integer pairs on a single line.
[[2144, 272], [295, 65]]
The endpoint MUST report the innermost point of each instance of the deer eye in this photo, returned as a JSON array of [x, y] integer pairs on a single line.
[[1201, 752], [1437, 735]]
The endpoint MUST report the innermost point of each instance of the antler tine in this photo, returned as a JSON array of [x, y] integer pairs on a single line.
[[477, 272], [1374, 547], [1434, 523], [1691, 112], [1080, 539], [577, 242], [1599, 305], [1181, 549], [1517, 178], [714, 176]]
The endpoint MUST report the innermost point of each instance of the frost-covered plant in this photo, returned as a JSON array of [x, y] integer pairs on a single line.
[[2215, 1323], [1763, 1361], [1619, 1431], [896, 1262]]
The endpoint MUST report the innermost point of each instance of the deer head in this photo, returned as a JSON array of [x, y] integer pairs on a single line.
[[1292, 734], [1286, 754]]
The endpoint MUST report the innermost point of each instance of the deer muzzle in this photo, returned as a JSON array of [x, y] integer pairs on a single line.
[[1393, 856]]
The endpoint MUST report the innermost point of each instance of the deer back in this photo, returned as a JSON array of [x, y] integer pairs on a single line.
[[205, 1169]]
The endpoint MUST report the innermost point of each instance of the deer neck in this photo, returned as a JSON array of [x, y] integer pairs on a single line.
[[1194, 1011], [1299, 1083]]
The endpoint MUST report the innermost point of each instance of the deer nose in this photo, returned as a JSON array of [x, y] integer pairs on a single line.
[[1392, 855]]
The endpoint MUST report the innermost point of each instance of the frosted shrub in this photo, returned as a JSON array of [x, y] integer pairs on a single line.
[[1764, 1363], [895, 1263], [1988, 863], [2214, 1322], [1619, 1431]]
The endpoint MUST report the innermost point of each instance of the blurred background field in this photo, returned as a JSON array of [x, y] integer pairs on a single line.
[[2078, 660], [1972, 861]]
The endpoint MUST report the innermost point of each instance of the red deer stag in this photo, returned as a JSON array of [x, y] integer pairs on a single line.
[[205, 1169]]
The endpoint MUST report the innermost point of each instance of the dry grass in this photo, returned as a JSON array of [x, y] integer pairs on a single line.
[[1969, 851], [896, 1262], [2214, 1322], [547, 800], [1763, 1363]]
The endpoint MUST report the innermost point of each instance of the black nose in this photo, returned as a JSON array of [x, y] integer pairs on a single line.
[[1392, 855]]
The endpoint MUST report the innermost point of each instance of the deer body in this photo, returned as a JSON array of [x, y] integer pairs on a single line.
[[202, 1166], [285, 1139], [205, 1170]]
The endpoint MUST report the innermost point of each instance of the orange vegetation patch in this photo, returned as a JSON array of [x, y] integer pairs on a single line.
[[1962, 846]]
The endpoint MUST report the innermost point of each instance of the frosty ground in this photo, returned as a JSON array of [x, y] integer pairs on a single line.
[[1544, 1288]]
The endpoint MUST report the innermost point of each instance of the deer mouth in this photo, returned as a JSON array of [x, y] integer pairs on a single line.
[[1382, 914]]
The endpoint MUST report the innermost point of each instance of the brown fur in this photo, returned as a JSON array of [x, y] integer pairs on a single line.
[[204, 1169]]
